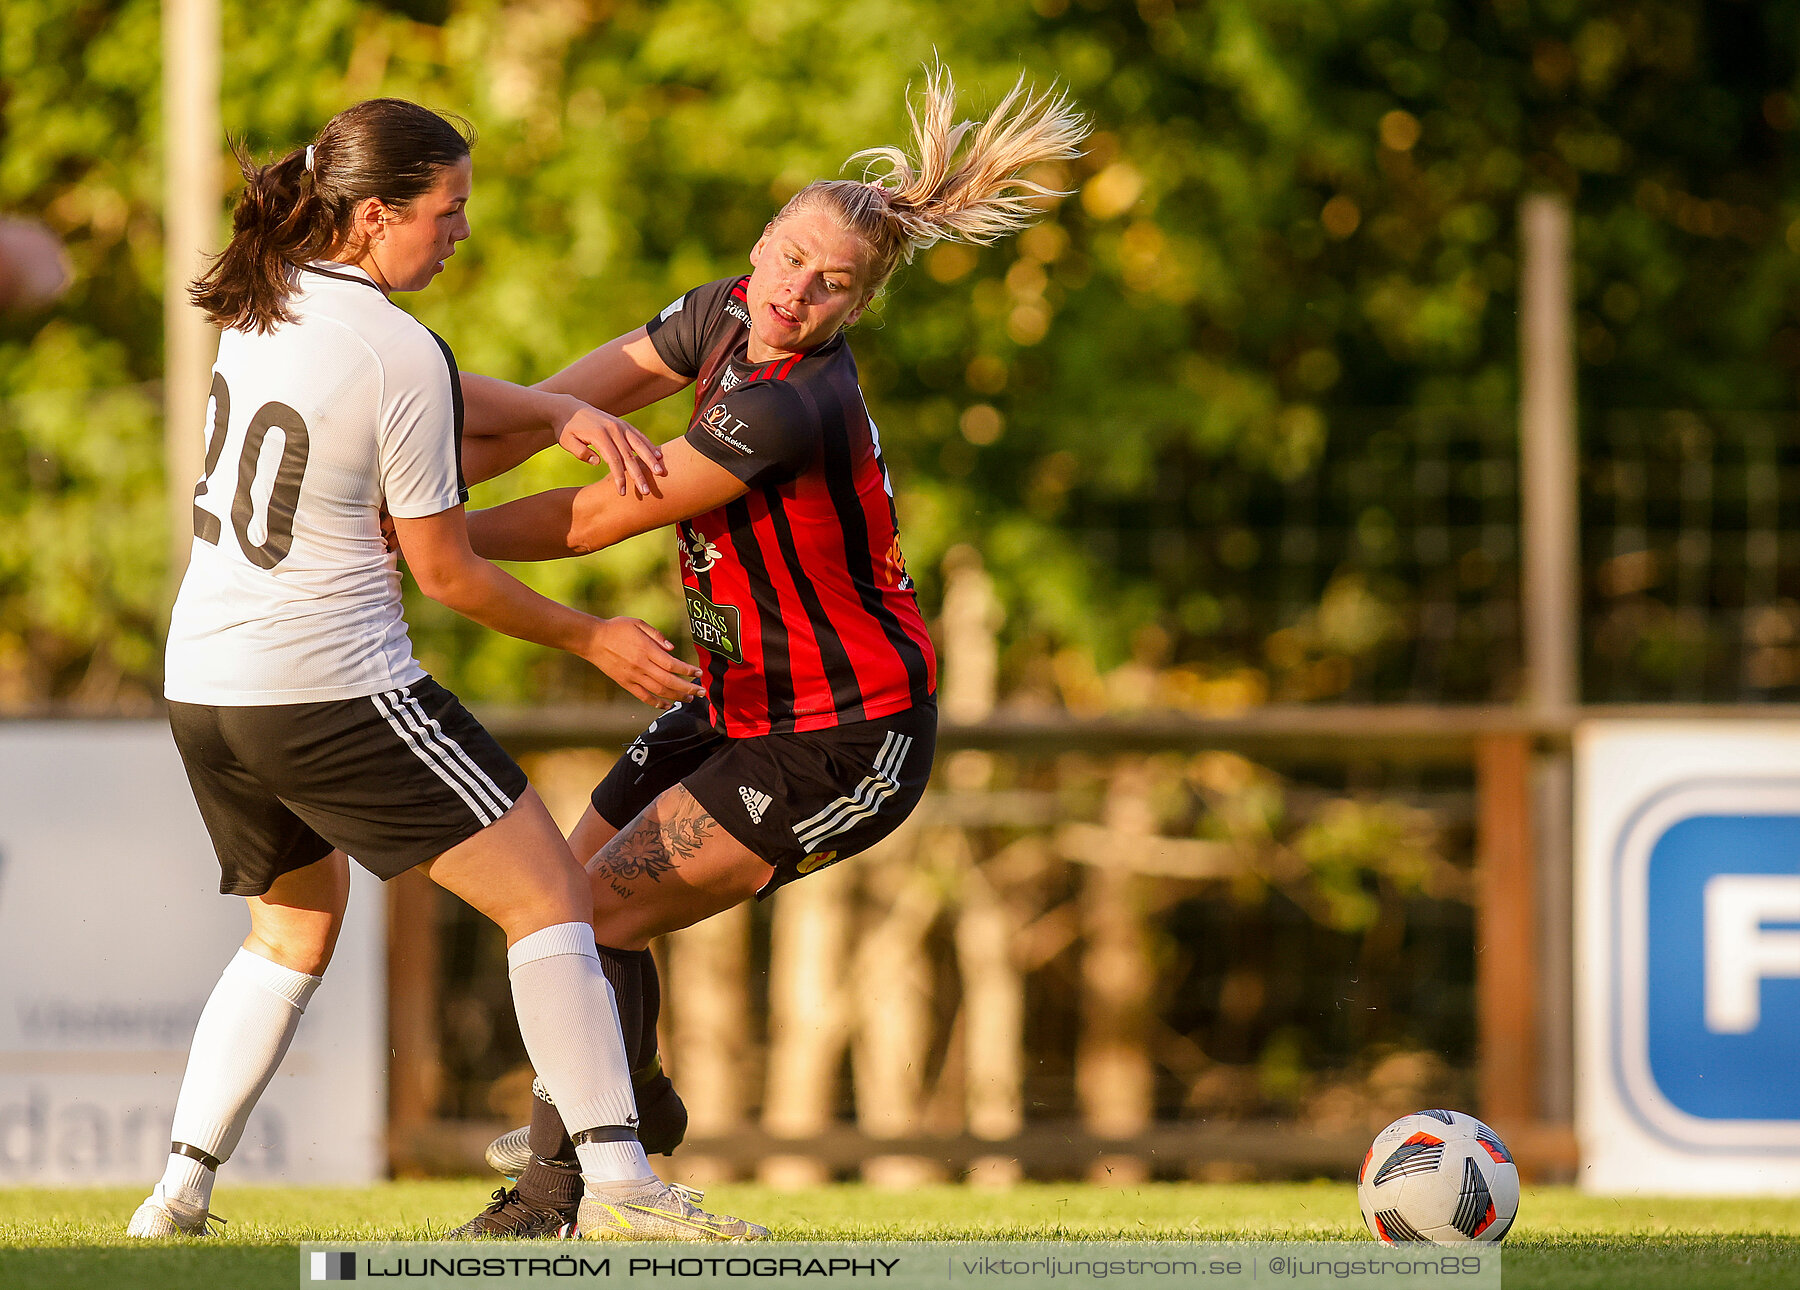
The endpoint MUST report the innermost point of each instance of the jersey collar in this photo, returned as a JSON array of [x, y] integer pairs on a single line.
[[342, 272], [740, 353]]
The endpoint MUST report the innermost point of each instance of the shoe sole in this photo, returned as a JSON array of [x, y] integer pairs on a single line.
[[510, 1153]]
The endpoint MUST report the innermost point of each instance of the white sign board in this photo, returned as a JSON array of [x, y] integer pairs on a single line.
[[112, 934], [1688, 956]]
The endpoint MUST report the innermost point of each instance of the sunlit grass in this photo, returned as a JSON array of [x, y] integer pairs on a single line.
[[75, 1238]]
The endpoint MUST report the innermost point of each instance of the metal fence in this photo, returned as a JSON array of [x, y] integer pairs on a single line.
[[1389, 572]]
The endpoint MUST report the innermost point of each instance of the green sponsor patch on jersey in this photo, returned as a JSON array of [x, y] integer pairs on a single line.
[[715, 627]]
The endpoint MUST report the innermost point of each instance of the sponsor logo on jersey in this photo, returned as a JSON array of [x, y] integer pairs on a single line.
[[730, 380], [736, 310], [754, 802], [697, 552], [896, 567], [715, 627], [724, 427], [675, 307], [817, 860]]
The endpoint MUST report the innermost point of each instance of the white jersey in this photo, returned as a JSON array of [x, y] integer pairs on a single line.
[[290, 594]]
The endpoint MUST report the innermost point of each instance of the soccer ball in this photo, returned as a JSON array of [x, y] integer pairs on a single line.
[[1441, 1177]]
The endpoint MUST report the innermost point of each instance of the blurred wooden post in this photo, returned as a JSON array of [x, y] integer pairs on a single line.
[[808, 975], [709, 966], [1550, 538], [415, 1073], [1114, 1079], [972, 618], [993, 989], [1549, 521], [894, 1015], [993, 1024], [1506, 964], [192, 136]]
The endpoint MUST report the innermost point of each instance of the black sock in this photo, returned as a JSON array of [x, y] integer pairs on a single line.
[[549, 1140], [652, 1007], [624, 970], [553, 1178], [550, 1185]]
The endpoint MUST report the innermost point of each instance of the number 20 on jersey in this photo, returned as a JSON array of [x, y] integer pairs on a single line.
[[284, 495]]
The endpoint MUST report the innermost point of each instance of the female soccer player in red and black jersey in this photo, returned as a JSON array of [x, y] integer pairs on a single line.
[[815, 737]]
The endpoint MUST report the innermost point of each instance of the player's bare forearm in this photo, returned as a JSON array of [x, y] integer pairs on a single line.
[[559, 523], [577, 521], [493, 408], [487, 594], [633, 653], [538, 527], [692, 485], [505, 424], [621, 376], [447, 569]]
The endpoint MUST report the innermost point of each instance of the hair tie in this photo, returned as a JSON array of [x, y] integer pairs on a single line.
[[309, 158]]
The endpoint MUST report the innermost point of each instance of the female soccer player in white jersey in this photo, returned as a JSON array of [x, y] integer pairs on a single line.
[[309, 731]]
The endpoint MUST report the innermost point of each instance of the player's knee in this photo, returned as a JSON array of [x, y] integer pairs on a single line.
[[549, 895], [620, 928], [299, 949]]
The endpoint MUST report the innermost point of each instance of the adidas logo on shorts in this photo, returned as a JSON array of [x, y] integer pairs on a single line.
[[754, 802]]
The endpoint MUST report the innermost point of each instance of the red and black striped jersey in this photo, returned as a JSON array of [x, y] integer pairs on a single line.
[[797, 592]]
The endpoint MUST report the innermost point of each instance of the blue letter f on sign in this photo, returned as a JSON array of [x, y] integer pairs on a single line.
[[1708, 967], [1745, 945]]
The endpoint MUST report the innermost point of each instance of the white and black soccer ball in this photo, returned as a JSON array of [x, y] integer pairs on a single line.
[[1441, 1177]]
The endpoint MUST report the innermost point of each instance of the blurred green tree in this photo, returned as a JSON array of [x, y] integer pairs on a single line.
[[1290, 211]]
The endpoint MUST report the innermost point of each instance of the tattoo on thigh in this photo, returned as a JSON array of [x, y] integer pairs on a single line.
[[636, 853], [650, 848], [689, 830]]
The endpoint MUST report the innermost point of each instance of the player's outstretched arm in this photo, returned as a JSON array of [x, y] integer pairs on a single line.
[[575, 521], [504, 424], [623, 375], [447, 569]]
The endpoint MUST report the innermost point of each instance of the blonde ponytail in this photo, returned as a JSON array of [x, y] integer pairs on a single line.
[[909, 201]]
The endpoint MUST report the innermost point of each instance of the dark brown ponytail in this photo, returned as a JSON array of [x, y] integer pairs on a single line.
[[300, 208]]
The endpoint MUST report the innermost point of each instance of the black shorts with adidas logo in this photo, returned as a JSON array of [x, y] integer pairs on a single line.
[[800, 801], [392, 779]]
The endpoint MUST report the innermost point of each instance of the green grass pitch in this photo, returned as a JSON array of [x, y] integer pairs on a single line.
[[54, 1239]]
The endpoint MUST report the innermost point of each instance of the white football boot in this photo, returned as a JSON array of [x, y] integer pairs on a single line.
[[162, 1215]]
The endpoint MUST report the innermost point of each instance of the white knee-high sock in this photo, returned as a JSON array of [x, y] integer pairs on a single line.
[[570, 1024], [244, 1032]]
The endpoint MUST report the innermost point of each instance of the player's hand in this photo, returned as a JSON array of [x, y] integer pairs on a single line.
[[643, 660], [597, 437]]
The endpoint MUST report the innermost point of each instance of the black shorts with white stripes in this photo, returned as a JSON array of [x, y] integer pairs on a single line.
[[800, 801], [393, 779]]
